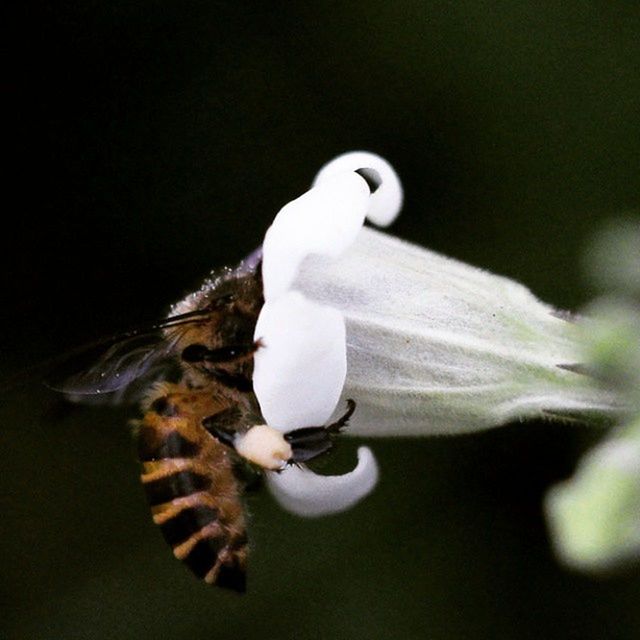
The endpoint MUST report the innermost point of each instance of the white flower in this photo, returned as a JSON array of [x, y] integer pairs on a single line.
[[423, 344], [300, 370]]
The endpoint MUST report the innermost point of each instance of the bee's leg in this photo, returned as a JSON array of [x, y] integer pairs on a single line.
[[310, 442], [223, 425], [306, 443]]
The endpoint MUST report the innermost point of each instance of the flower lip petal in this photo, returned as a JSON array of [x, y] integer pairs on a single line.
[[324, 221], [300, 370], [307, 494], [386, 201]]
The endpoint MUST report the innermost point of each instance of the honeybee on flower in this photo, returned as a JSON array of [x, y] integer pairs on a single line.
[[330, 327]]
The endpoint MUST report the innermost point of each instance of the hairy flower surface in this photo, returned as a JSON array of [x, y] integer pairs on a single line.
[[424, 344]]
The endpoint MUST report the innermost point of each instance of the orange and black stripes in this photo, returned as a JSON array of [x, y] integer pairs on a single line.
[[176, 485], [187, 522], [155, 445], [203, 556], [191, 489]]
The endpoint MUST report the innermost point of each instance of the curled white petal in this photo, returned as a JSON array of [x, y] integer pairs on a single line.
[[324, 221], [307, 494], [385, 203], [299, 370]]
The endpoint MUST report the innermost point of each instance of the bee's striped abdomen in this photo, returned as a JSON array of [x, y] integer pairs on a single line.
[[191, 489], [176, 485], [187, 523]]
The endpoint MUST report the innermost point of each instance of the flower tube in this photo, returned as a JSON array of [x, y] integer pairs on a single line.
[[423, 343]]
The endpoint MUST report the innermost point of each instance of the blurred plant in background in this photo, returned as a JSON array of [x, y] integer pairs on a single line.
[[595, 516]]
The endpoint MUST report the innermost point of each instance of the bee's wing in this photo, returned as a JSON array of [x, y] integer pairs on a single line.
[[108, 368], [113, 365]]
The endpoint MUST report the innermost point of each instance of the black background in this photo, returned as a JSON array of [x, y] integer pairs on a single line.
[[152, 141]]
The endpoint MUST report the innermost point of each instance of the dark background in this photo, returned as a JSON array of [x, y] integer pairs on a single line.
[[152, 141]]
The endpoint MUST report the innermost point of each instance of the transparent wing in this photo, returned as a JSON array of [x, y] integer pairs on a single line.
[[113, 367], [120, 368], [113, 364]]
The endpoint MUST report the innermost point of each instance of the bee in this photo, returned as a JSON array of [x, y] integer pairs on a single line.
[[193, 372]]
